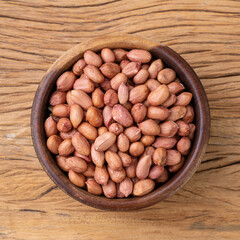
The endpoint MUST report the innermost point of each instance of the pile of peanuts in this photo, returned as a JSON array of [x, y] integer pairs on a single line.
[[120, 123]]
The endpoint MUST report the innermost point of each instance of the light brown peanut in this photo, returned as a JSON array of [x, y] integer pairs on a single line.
[[101, 175], [110, 97], [143, 167], [92, 58], [104, 141], [65, 148], [88, 131], [139, 112], [165, 142], [152, 84], [166, 76], [170, 101], [97, 156], [173, 157], [84, 84], [76, 115], [121, 115], [76, 178], [160, 156], [50, 127], [94, 117], [98, 98], [107, 55], [57, 97], [131, 169], [158, 95], [126, 187], [120, 54], [110, 189], [147, 140], [183, 99], [138, 94], [93, 74], [102, 130], [189, 116], [116, 128], [61, 110], [123, 142], [149, 127], [168, 129], [183, 128], [141, 77], [116, 176], [81, 98], [183, 146], [131, 69], [110, 70], [64, 125], [158, 113], [155, 172], [139, 55], [61, 162], [107, 116], [65, 81], [93, 187], [125, 158], [176, 113], [117, 80], [77, 164], [154, 68], [136, 149], [143, 187], [133, 133], [81, 144], [123, 93], [175, 88], [78, 67], [90, 170], [113, 160]]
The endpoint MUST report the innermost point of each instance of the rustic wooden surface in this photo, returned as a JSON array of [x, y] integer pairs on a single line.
[[33, 34]]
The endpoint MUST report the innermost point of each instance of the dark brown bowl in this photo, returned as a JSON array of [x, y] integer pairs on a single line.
[[190, 81]]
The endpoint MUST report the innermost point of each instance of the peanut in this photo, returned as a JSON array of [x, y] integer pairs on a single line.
[[77, 164], [107, 55], [93, 187], [126, 187], [104, 141], [64, 125], [50, 127], [155, 172], [139, 55], [123, 142], [117, 80], [149, 127], [57, 97], [93, 74], [65, 148], [143, 167], [84, 84], [183, 146], [92, 58], [143, 187], [121, 115], [110, 189], [136, 149], [138, 94], [88, 131], [113, 160], [101, 175], [139, 112], [94, 116], [133, 133], [160, 156], [76, 115], [81, 144], [76, 178], [110, 70], [78, 67], [158, 95], [65, 81], [123, 93], [98, 98]]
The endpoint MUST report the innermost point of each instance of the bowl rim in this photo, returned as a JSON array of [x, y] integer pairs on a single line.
[[187, 76]]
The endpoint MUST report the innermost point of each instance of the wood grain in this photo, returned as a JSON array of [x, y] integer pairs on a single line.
[[35, 33]]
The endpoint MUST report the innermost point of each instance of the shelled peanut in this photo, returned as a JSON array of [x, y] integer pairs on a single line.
[[120, 123]]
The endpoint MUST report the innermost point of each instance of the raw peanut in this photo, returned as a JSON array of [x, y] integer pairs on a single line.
[[175, 168], [158, 113], [126, 187], [88, 158], [155, 172], [113, 148], [92, 58], [155, 67], [145, 66], [50, 127], [173, 157], [116, 128], [123, 93], [148, 151], [139, 112], [94, 117], [113, 160], [158, 95], [93, 187], [101, 175], [119, 194], [183, 128], [164, 177], [117, 80], [76, 115], [136, 149], [116, 176], [105, 141], [110, 70], [121, 115], [165, 142], [69, 99], [78, 67], [110, 189], [88, 131], [77, 164], [170, 101], [110, 97], [76, 178], [143, 187], [65, 148], [128, 106], [191, 131], [97, 156], [61, 162], [168, 129], [189, 116], [61, 110], [138, 94], [143, 167], [160, 156], [90, 170], [175, 88], [123, 63], [149, 127], [131, 169], [166, 76], [81, 98], [147, 140], [65, 81], [126, 159], [107, 55], [57, 97], [131, 69], [81, 144], [183, 99], [183, 146], [141, 77], [93, 74], [105, 85], [68, 134], [133, 133], [123, 142], [84, 84], [64, 125], [98, 98], [139, 55], [152, 84], [177, 112], [120, 54], [107, 116], [102, 130]]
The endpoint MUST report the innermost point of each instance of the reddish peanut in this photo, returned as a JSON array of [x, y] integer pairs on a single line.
[[173, 157], [143, 187], [175, 88], [109, 189], [76, 178], [152, 84], [125, 158], [148, 151], [155, 172], [78, 67], [105, 85], [123, 93], [93, 74], [65, 148], [120, 54], [136, 149], [84, 84], [121, 115], [155, 67], [147, 140], [57, 97], [149, 127], [138, 94], [104, 141], [107, 116], [110, 98], [126, 187], [158, 95], [133, 133], [90, 170], [170, 101], [183, 99], [92, 58], [62, 163], [166, 76], [81, 144], [107, 55], [183, 128], [176, 113], [94, 117], [158, 113], [88, 131], [50, 127], [113, 160], [139, 112], [69, 98], [123, 142], [168, 129], [116, 128], [160, 156], [131, 69], [116, 176], [61, 110], [77, 164], [141, 77], [93, 187], [81, 98], [68, 134], [163, 177], [165, 142], [176, 168], [64, 125], [143, 167], [139, 55], [189, 116], [97, 156], [117, 80], [110, 70], [76, 115], [65, 81], [98, 98], [183, 146], [101, 175]]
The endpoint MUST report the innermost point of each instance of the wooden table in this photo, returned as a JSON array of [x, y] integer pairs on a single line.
[[33, 34]]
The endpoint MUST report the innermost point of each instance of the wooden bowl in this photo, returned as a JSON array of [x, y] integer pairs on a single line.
[[190, 81]]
